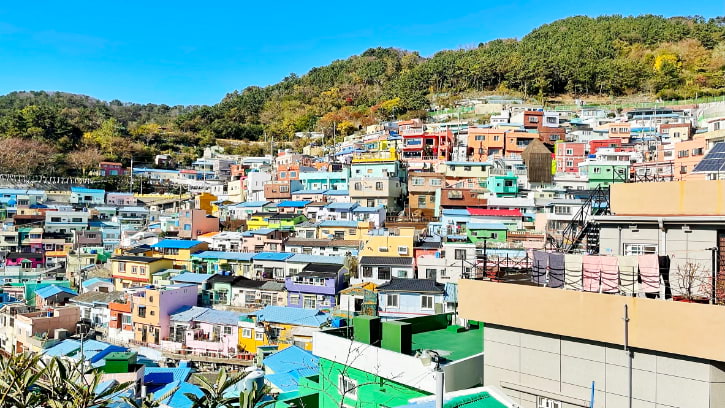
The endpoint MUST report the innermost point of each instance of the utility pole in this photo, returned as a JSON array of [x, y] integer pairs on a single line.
[[130, 185], [629, 355]]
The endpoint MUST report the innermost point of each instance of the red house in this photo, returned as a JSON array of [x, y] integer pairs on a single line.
[[111, 169], [568, 156]]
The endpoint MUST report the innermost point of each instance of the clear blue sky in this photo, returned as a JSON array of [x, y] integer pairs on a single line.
[[185, 52]]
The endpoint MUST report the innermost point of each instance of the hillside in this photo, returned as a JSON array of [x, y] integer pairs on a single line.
[[613, 55]]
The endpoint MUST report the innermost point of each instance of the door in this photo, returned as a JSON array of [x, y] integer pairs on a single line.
[[358, 304]]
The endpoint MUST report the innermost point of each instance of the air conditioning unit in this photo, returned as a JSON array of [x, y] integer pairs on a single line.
[[321, 297]]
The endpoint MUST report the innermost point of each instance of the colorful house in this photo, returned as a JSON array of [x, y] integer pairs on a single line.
[[204, 330], [505, 185], [180, 251], [25, 259], [316, 286], [87, 196], [152, 309], [128, 271], [491, 232], [280, 326], [401, 298]]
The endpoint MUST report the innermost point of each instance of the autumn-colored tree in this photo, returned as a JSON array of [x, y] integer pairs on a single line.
[[26, 157], [84, 159]]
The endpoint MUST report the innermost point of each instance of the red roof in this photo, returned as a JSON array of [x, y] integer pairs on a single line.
[[494, 213]]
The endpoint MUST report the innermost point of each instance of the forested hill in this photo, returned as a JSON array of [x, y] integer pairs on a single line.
[[612, 55]]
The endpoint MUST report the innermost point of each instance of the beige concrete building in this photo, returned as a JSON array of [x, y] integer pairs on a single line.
[[548, 347]]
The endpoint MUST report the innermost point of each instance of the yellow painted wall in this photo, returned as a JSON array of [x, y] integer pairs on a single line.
[[692, 197], [373, 243], [149, 269]]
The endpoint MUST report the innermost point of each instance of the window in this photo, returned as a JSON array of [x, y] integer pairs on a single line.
[[384, 272], [569, 152], [54, 219], [122, 266], [683, 169], [466, 168], [533, 119], [77, 220], [597, 170], [292, 174], [542, 402], [347, 387], [683, 153], [133, 269], [284, 189], [247, 333], [309, 302], [259, 336], [126, 319], [426, 302], [357, 186], [639, 249], [227, 329], [435, 182], [697, 151], [141, 311], [417, 181], [421, 201], [383, 249], [430, 273], [392, 300], [282, 174], [367, 271], [569, 163], [379, 185], [401, 273], [460, 254], [496, 138], [480, 137], [403, 250]]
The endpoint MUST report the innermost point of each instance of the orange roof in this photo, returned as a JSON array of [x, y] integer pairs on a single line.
[[208, 234], [56, 254]]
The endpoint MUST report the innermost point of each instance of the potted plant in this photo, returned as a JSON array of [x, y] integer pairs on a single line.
[[691, 283]]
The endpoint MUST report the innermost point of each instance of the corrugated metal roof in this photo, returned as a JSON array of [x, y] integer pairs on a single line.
[[337, 192], [190, 277], [456, 211], [339, 223], [321, 259], [293, 203], [494, 213], [176, 244], [272, 256], [342, 206], [412, 285], [53, 290], [292, 315], [237, 256], [386, 260]]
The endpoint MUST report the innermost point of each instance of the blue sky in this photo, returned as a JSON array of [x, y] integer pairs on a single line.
[[187, 52]]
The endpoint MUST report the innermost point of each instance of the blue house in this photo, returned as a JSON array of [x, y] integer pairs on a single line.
[[87, 196], [316, 286], [403, 298], [284, 369]]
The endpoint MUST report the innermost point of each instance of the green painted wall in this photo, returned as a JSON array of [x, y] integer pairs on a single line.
[[372, 390], [479, 234]]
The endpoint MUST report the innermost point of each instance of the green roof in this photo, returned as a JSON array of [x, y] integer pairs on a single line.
[[450, 344]]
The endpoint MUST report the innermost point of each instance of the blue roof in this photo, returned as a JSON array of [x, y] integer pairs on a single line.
[[337, 192], [309, 192], [292, 315], [237, 256], [252, 204], [178, 373], [87, 190], [339, 223], [293, 204], [366, 210], [292, 359], [206, 315], [176, 244], [456, 211], [272, 256], [286, 382], [178, 398], [342, 206], [190, 277], [52, 290], [89, 282], [261, 231], [320, 259], [485, 226], [93, 350]]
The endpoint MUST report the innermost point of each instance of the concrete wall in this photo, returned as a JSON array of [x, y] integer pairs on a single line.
[[529, 364]]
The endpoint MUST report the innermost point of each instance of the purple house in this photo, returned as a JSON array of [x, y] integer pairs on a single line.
[[316, 286], [25, 259]]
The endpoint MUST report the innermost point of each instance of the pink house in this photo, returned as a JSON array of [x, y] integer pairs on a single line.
[[568, 156], [204, 330], [126, 199], [25, 259], [193, 223]]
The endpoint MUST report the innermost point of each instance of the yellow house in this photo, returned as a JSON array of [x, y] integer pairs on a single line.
[[128, 271], [281, 326], [390, 242], [343, 229], [259, 220], [179, 251], [204, 201]]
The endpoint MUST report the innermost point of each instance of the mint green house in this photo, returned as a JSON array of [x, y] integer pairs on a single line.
[[503, 185], [491, 232], [386, 364], [603, 173]]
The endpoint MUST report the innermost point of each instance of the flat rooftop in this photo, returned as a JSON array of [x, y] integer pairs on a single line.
[[449, 343]]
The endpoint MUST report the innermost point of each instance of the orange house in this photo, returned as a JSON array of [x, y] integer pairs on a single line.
[[484, 142], [687, 155]]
